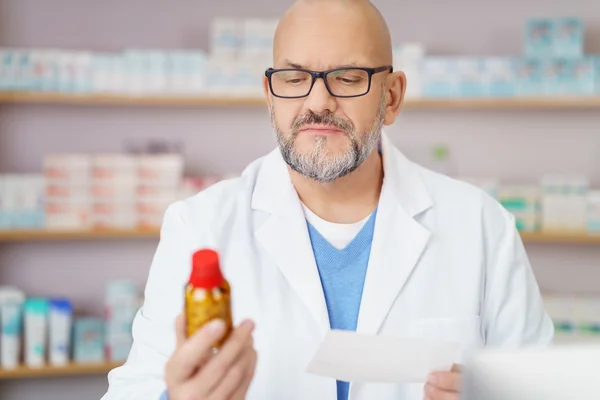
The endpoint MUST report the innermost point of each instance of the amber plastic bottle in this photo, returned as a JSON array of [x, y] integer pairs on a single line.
[[207, 294]]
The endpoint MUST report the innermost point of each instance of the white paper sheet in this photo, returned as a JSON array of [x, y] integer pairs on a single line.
[[353, 357]]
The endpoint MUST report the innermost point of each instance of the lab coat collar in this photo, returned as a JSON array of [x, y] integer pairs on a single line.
[[402, 176], [398, 239]]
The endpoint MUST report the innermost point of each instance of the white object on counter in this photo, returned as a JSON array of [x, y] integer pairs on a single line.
[[11, 317], [61, 317], [36, 325]]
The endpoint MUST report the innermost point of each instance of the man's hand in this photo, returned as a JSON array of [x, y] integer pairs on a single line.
[[444, 385], [194, 371]]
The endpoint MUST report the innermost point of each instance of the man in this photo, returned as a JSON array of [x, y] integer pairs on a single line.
[[334, 229]]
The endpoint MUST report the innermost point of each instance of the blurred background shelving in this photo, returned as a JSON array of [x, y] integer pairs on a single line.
[[69, 370], [515, 140], [23, 235], [509, 103]]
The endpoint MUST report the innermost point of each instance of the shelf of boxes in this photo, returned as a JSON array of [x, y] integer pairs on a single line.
[[72, 369], [560, 238], [21, 235], [566, 102]]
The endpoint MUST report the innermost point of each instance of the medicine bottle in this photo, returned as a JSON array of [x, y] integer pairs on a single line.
[[207, 294]]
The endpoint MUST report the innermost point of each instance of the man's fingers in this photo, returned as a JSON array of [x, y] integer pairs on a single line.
[[235, 379], [180, 329], [239, 341], [194, 352], [240, 393], [435, 393], [447, 381], [457, 368]]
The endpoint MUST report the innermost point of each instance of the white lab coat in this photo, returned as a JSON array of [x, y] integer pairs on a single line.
[[446, 263]]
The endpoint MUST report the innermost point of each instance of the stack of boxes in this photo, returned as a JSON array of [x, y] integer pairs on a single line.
[[554, 51], [105, 191], [114, 182], [67, 197], [553, 64], [240, 51], [110, 191], [159, 184], [558, 204]]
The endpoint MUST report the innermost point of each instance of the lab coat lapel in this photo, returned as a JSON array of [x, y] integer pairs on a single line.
[[398, 240], [284, 235]]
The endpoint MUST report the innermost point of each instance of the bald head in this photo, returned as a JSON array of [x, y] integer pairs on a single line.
[[325, 32]]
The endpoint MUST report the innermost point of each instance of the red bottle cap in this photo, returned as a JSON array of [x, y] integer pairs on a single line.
[[206, 272]]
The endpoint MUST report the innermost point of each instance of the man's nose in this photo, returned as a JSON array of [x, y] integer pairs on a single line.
[[319, 99]]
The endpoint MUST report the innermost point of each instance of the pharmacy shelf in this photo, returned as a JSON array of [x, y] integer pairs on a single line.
[[126, 100], [561, 238], [589, 102], [72, 369], [19, 235]]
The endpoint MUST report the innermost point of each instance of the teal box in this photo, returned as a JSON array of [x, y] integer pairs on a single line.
[[88, 340], [470, 73], [539, 35], [568, 37], [557, 77], [499, 76], [594, 226], [597, 74], [529, 77], [584, 74]]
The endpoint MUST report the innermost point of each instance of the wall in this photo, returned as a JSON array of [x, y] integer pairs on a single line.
[[483, 143]]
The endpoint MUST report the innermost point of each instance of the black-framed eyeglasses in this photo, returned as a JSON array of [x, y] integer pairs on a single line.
[[294, 83]]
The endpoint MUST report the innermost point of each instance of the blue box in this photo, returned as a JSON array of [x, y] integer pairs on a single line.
[[529, 78], [568, 37], [539, 35]]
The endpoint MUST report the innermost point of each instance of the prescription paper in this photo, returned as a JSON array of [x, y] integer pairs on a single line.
[[354, 357]]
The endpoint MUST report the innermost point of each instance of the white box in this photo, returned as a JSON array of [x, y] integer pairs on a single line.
[[114, 167], [68, 167], [73, 213], [114, 191], [163, 169]]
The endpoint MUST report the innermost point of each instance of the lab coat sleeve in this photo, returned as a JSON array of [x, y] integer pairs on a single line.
[[513, 311], [142, 376]]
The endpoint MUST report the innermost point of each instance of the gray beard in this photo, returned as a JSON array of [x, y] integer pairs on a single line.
[[320, 166]]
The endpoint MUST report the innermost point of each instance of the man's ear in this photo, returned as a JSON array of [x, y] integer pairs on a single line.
[[395, 89], [266, 91]]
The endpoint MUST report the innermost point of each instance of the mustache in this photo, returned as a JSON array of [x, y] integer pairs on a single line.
[[324, 118]]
